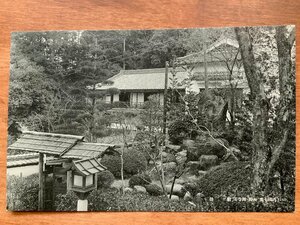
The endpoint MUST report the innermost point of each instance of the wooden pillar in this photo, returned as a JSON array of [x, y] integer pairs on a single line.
[[41, 205]]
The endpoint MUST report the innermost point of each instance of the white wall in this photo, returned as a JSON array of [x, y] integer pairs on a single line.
[[24, 170], [140, 98], [107, 98], [116, 98]]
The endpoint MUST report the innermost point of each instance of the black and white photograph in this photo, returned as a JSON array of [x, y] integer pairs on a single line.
[[179, 120]]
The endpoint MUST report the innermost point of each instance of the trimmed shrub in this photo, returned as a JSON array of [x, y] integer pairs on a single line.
[[154, 189], [228, 177], [66, 202], [105, 179], [180, 130], [22, 193], [134, 162], [140, 180]]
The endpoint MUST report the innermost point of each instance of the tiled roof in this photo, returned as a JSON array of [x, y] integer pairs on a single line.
[[22, 160], [86, 150], [141, 79], [50, 143], [154, 79], [88, 166]]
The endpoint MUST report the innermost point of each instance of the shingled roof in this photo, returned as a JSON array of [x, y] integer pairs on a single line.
[[22, 160], [50, 143], [60, 146], [87, 150], [88, 166]]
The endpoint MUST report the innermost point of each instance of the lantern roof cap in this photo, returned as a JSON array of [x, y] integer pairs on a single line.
[[88, 166]]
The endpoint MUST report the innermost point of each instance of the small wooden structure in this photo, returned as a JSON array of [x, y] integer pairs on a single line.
[[59, 157]]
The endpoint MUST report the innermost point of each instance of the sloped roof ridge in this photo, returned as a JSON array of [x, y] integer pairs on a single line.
[[53, 135], [223, 40]]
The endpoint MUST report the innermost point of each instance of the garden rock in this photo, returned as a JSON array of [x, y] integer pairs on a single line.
[[180, 181], [208, 161], [181, 157], [193, 167], [140, 189], [208, 146], [192, 178], [189, 143], [199, 196], [173, 148], [174, 198], [178, 189], [154, 189], [128, 189], [201, 173], [187, 196]]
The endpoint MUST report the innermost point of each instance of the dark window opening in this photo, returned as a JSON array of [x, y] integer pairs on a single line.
[[124, 97]]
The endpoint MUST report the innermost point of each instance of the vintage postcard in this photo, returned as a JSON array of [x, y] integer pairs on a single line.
[[198, 120]]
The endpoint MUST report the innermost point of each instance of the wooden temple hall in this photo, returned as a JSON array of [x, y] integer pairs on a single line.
[[65, 162]]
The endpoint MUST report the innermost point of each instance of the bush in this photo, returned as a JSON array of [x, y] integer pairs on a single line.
[[105, 179], [112, 200], [229, 177], [180, 130], [22, 193], [139, 179], [154, 189], [66, 202], [134, 162]]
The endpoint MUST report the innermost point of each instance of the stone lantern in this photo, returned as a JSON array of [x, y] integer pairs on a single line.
[[83, 179]]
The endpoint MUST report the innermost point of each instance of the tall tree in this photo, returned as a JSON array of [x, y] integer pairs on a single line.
[[265, 153]]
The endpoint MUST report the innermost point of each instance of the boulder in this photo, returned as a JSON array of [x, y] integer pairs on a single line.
[[201, 173], [187, 196], [128, 189], [174, 198], [193, 167], [180, 181], [154, 189], [178, 189], [173, 148], [208, 161], [192, 187], [140, 189], [192, 179], [188, 143], [207, 146], [181, 157], [199, 196]]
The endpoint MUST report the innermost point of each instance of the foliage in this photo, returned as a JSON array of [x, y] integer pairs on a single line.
[[180, 130], [105, 179], [113, 200], [22, 193], [134, 162], [227, 178], [66, 202], [139, 179]]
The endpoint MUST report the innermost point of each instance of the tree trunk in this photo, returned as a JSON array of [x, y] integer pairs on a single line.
[[259, 110], [262, 163]]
